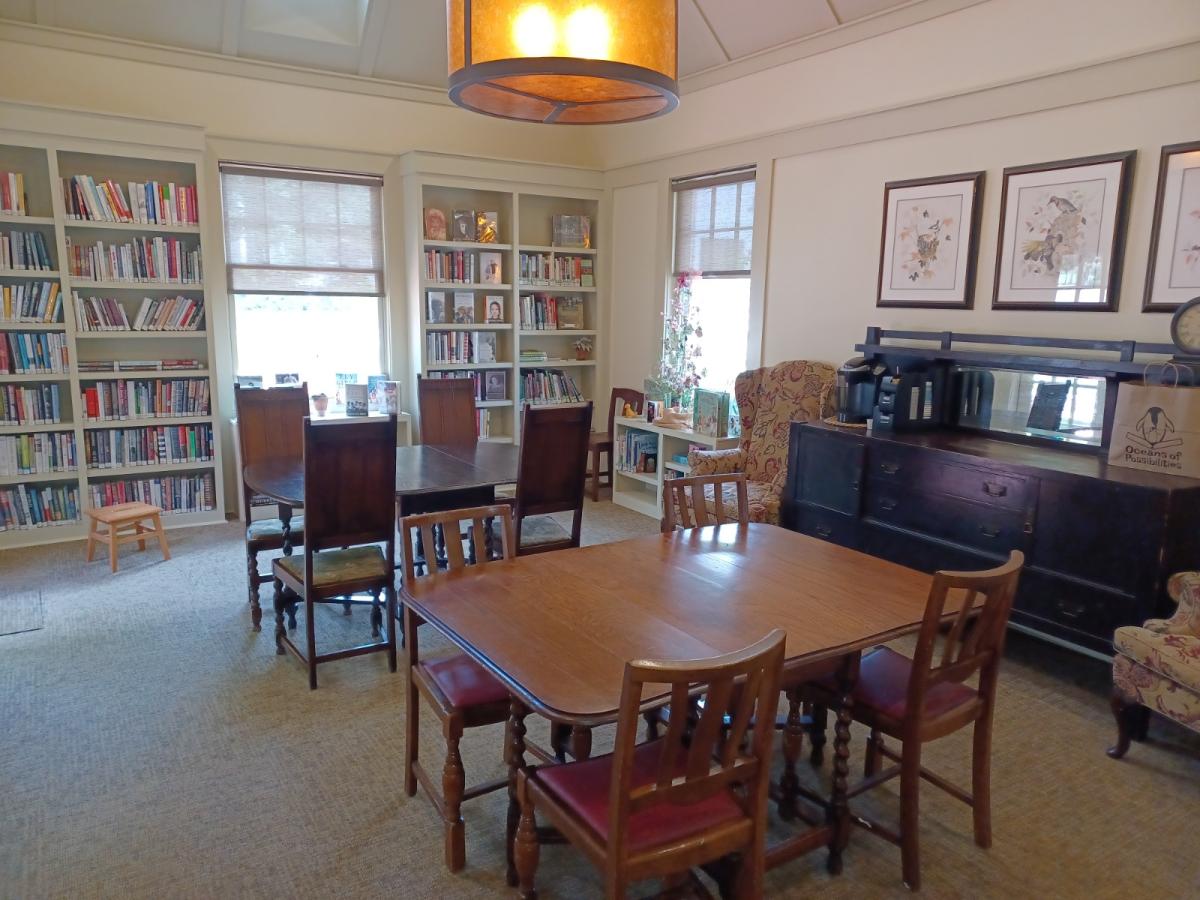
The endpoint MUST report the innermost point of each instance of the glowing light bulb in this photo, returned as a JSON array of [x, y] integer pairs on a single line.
[[534, 31], [588, 33]]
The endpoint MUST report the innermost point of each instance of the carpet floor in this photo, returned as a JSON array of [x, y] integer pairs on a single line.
[[153, 746]]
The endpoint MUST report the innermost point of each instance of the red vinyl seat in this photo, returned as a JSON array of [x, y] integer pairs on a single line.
[[464, 682], [585, 789], [883, 687]]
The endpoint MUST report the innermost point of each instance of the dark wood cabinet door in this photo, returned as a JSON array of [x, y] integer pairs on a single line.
[[830, 473]]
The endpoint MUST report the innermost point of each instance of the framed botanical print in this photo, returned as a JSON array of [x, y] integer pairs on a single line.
[[1173, 275], [1062, 234], [929, 244]]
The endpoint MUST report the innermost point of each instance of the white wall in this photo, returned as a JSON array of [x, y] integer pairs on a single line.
[[637, 283]]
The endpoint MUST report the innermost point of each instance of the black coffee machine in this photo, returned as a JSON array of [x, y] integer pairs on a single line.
[[857, 382]]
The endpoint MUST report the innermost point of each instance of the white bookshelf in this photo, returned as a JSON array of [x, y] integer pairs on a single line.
[[643, 491], [45, 161], [524, 225]]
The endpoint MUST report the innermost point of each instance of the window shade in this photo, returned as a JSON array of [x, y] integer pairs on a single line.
[[714, 223], [296, 232]]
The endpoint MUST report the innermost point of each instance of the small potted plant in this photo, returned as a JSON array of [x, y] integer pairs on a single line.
[[320, 403], [583, 348]]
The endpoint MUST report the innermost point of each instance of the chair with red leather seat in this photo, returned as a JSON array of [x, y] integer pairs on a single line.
[[461, 693], [657, 810], [922, 699]]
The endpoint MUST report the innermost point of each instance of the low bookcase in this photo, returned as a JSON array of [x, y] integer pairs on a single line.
[[642, 491]]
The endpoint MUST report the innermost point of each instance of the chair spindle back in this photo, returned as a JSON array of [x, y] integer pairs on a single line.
[[450, 522], [685, 506]]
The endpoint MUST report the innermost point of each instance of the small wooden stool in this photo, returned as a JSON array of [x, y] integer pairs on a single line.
[[125, 523]]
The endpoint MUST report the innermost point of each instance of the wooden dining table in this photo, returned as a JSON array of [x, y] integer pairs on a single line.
[[429, 478], [558, 628]]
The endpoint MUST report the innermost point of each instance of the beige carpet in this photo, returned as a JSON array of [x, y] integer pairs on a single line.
[[152, 746]]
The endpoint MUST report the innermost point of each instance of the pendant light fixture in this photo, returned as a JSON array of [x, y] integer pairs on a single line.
[[564, 61]]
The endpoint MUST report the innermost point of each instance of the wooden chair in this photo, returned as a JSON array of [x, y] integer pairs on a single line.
[[551, 472], [683, 511], [270, 426], [925, 698], [447, 409], [602, 442], [125, 522], [349, 473], [461, 692], [690, 798]]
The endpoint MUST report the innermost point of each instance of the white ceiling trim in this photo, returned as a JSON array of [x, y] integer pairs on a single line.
[[198, 60], [823, 41]]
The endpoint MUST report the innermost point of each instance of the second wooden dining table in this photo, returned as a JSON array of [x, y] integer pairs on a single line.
[[557, 629]]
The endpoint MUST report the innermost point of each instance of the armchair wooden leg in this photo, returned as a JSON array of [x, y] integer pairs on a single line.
[[454, 781], [525, 853], [1126, 714]]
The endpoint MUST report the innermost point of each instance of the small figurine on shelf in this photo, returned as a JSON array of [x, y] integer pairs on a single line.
[[629, 412], [320, 403], [583, 348]]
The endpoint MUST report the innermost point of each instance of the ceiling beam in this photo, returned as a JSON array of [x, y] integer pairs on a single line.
[[833, 12], [372, 36], [231, 26], [43, 12], [712, 31]]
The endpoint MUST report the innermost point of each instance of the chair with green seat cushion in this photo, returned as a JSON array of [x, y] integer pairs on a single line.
[[270, 426], [349, 499]]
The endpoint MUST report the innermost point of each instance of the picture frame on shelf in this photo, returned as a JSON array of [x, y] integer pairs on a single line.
[[435, 224], [287, 378], [929, 242], [495, 385], [1062, 234], [1173, 271], [249, 381], [464, 225], [493, 305]]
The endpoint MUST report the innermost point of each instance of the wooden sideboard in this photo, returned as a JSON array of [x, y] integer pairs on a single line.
[[1099, 541]]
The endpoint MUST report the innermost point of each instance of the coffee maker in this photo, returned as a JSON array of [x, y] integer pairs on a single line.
[[857, 380]]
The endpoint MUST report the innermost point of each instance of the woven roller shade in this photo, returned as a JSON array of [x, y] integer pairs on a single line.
[[714, 223], [296, 232]]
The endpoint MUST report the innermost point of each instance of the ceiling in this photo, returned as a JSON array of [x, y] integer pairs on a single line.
[[403, 41]]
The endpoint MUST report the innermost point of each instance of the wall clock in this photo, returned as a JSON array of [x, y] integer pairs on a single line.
[[1185, 329]]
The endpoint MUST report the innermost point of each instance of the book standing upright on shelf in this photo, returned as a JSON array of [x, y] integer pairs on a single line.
[[494, 306], [464, 308], [357, 403], [490, 271], [464, 225], [435, 224], [435, 307]]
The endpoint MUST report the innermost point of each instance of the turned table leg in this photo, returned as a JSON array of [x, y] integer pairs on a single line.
[[516, 762], [839, 807]]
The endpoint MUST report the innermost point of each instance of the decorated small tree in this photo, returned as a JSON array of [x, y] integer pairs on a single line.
[[678, 372]]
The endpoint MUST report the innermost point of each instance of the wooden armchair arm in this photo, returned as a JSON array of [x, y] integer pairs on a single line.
[[1184, 589], [716, 462]]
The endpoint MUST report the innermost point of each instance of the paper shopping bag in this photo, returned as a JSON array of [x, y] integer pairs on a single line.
[[1156, 427]]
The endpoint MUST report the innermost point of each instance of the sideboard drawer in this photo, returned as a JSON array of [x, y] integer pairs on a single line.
[[828, 525], [1007, 491], [1079, 606], [974, 525]]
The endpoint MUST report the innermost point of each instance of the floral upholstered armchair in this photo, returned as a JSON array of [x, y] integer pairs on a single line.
[[769, 400], [1157, 667]]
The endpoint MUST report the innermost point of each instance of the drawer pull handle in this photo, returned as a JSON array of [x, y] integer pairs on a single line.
[[1071, 612], [992, 489], [1029, 528], [823, 530], [888, 504], [889, 468], [989, 532]]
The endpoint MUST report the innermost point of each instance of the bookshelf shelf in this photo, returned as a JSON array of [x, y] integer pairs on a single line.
[[558, 251], [431, 366], [449, 326], [555, 289], [38, 478], [93, 425], [34, 428], [182, 286], [47, 161], [643, 477], [33, 326], [460, 286], [492, 404], [134, 471], [558, 332], [463, 245], [132, 226], [558, 364], [140, 335]]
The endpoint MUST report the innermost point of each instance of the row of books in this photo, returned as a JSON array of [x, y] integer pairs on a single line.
[[24, 250], [34, 404], [483, 423], [541, 312], [461, 347], [151, 445], [145, 399], [33, 301], [159, 259], [32, 506], [139, 365], [37, 454], [461, 266], [489, 385], [149, 202], [437, 312], [30, 353], [12, 194], [155, 314], [636, 451], [546, 386], [469, 225], [557, 271], [170, 493], [531, 355]]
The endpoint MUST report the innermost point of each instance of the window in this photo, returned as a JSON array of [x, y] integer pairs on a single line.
[[304, 259], [714, 237]]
